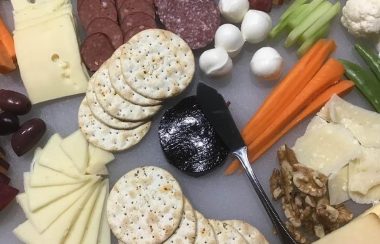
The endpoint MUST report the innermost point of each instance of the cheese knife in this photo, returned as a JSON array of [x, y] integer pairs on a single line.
[[216, 111]]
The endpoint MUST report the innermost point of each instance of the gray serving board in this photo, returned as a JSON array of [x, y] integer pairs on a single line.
[[215, 195]]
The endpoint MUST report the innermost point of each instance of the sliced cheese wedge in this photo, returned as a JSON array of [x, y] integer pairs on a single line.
[[93, 228], [375, 209], [326, 147], [57, 232], [98, 159], [78, 229], [338, 187], [76, 147], [41, 196], [44, 217], [104, 235], [362, 230], [55, 158]]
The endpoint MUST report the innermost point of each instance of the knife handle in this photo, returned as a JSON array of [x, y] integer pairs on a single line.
[[281, 229]]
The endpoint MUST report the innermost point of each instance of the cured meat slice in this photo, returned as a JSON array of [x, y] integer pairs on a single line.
[[196, 21], [92, 9], [133, 6], [107, 27], [136, 30], [135, 20], [95, 50]]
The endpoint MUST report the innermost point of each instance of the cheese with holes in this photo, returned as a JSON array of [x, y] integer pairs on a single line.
[[98, 159], [326, 147], [76, 147], [338, 187]]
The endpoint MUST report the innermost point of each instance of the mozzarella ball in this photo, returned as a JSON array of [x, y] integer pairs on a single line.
[[267, 64], [230, 38], [215, 62], [256, 26], [233, 10]]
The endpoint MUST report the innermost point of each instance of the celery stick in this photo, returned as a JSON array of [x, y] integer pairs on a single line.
[[282, 25], [312, 6], [309, 21], [322, 21], [291, 8], [307, 44]]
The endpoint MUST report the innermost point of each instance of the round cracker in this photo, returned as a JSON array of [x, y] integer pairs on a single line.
[[250, 233], [225, 233], [157, 64], [187, 229], [114, 104], [121, 87], [104, 117], [205, 232], [145, 206], [105, 137]]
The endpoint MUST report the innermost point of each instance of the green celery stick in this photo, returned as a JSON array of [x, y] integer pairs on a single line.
[[282, 25], [292, 8], [322, 21], [306, 45], [312, 6], [309, 21]]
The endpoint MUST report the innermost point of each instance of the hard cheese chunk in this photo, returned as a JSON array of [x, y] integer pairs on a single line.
[[338, 187], [326, 147], [76, 147], [49, 60], [98, 159], [364, 230], [43, 5], [55, 158], [363, 124], [57, 232]]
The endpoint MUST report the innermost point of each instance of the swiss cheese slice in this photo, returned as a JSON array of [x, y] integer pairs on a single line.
[[104, 235], [98, 159], [44, 217], [55, 158], [57, 232], [338, 187], [362, 230], [76, 147], [41, 196], [327, 148]]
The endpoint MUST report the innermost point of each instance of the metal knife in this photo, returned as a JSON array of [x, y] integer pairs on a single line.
[[216, 111]]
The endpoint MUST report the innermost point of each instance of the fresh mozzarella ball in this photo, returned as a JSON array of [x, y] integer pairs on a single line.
[[230, 38], [215, 62], [256, 26], [267, 64], [233, 10]]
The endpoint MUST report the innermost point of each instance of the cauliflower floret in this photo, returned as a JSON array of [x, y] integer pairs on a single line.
[[362, 17]]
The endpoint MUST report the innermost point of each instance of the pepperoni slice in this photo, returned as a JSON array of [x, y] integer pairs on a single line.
[[137, 19], [107, 27], [95, 50], [92, 9], [128, 35], [133, 6]]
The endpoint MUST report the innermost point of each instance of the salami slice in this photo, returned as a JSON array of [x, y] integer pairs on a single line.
[[135, 30], [133, 6], [196, 21], [92, 9], [107, 27], [137, 19], [95, 50]]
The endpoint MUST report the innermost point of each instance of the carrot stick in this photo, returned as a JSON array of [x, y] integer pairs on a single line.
[[7, 40], [291, 86], [341, 88], [6, 63]]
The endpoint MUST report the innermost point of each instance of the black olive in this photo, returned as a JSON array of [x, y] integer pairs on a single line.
[[9, 123], [14, 102], [28, 136]]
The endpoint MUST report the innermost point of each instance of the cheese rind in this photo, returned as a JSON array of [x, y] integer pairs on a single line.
[[76, 147]]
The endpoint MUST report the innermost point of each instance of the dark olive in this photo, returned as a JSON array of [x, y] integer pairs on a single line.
[[9, 123], [28, 136], [2, 153], [14, 102]]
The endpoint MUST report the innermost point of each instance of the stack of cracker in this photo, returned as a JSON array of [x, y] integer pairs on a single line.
[[147, 206], [129, 88]]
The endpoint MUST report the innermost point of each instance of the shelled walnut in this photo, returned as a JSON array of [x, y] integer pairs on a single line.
[[304, 198]]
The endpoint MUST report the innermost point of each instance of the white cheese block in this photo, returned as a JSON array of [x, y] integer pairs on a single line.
[[30, 5], [56, 64], [93, 228], [338, 187], [41, 196], [104, 235], [363, 124], [55, 158], [77, 231], [326, 147], [57, 232], [44, 217], [365, 230], [98, 158], [76, 147]]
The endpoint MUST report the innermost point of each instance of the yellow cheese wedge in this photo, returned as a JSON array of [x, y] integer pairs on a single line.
[[76, 147], [98, 158], [338, 187], [55, 158], [92, 229], [104, 236], [362, 230], [44, 217], [41, 196], [57, 231], [77, 231]]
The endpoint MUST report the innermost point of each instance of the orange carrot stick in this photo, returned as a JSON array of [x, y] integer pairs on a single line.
[[7, 40], [6, 63], [340, 88]]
